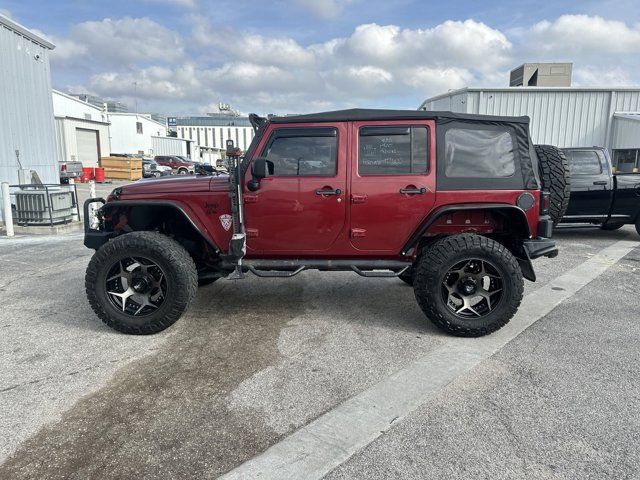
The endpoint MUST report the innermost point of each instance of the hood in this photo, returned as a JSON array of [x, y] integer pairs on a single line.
[[176, 184]]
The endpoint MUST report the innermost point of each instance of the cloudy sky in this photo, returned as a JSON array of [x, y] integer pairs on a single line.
[[287, 56]]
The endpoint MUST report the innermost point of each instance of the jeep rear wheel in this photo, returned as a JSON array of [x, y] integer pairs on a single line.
[[141, 282], [555, 177], [468, 285]]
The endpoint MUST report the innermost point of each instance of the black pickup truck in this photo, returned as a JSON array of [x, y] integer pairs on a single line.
[[598, 195]]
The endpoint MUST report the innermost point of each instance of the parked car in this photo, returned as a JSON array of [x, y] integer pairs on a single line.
[[69, 170], [449, 203], [151, 169], [599, 196], [176, 163]]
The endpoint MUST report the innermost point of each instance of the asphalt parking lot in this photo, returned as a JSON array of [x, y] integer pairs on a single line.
[[260, 365]]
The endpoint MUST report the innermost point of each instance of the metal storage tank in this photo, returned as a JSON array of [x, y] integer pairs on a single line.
[[562, 116], [26, 123]]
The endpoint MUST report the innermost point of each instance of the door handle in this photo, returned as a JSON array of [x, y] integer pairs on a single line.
[[600, 182], [413, 191], [327, 191]]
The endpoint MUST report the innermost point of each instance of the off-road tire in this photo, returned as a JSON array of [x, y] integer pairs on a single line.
[[407, 276], [555, 176], [436, 261], [169, 255], [611, 226]]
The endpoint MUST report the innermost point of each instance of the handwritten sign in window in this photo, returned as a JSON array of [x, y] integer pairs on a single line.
[[392, 151]]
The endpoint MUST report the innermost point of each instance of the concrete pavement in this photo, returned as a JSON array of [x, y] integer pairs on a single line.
[[251, 363]]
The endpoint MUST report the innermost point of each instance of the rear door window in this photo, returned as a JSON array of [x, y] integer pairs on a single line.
[[476, 153], [584, 162], [393, 151]]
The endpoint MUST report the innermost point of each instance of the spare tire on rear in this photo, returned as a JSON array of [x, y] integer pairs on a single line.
[[555, 177]]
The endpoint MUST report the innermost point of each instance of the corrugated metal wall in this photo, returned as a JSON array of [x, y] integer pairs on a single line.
[[26, 109], [66, 137], [566, 118], [168, 146], [626, 132]]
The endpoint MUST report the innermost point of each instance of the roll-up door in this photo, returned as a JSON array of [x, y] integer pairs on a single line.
[[87, 141]]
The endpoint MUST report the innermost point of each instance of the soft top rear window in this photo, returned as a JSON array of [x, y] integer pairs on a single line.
[[472, 153]]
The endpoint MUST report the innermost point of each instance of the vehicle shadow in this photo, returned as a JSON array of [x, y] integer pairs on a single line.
[[338, 298], [588, 232]]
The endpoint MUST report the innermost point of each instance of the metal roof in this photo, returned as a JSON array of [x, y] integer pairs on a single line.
[[25, 32], [628, 115], [532, 89]]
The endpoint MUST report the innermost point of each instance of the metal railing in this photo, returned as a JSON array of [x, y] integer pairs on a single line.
[[44, 204]]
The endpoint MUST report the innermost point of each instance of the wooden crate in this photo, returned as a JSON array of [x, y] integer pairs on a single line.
[[127, 163], [123, 173]]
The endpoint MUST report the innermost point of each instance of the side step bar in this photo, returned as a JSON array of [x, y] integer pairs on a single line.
[[290, 268]]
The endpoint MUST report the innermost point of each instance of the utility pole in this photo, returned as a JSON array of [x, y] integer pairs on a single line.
[[135, 95]]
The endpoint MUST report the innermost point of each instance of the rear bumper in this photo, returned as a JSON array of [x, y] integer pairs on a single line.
[[545, 227], [540, 247]]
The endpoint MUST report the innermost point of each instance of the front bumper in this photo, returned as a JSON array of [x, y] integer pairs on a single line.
[[93, 238]]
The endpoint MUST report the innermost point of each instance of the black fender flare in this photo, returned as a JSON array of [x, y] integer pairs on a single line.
[[512, 211], [196, 224]]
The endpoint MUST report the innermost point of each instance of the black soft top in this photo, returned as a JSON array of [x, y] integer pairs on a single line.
[[366, 114], [526, 164]]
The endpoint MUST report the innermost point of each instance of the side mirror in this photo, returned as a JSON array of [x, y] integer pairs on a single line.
[[261, 168]]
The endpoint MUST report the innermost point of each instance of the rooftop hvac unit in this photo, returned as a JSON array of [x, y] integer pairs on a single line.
[[43, 207]]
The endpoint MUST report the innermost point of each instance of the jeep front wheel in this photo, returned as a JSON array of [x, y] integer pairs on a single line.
[[468, 285], [141, 282]]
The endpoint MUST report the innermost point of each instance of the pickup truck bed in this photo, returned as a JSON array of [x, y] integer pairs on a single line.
[[599, 196]]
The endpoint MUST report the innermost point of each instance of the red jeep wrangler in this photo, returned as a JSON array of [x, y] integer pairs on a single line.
[[449, 203]]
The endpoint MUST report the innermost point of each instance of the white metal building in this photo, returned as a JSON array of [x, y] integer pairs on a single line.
[[171, 146], [210, 134], [561, 116], [133, 133], [27, 135], [82, 130]]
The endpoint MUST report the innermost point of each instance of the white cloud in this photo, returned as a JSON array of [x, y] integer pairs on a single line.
[[599, 77], [373, 65], [118, 42], [585, 35]]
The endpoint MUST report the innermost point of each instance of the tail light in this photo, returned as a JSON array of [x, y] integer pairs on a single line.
[[63, 167], [545, 202]]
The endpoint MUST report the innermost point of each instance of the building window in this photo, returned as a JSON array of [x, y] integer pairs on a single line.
[[87, 116], [190, 133], [139, 127], [198, 135], [221, 139], [237, 138], [213, 137], [244, 138], [206, 137], [626, 161]]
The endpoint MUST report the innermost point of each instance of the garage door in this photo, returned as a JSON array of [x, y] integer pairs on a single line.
[[87, 147]]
